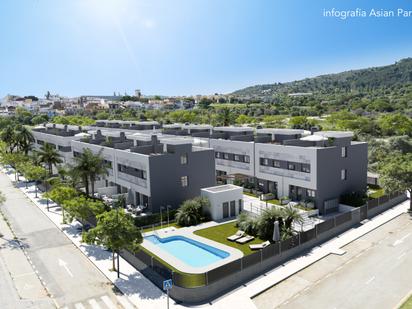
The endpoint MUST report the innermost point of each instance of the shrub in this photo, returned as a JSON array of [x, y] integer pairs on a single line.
[[355, 199], [190, 213], [267, 220], [247, 224]]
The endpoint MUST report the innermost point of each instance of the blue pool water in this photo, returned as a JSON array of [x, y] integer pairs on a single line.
[[189, 251]]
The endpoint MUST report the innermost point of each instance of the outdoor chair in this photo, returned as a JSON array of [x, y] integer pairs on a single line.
[[245, 239], [239, 234], [260, 246]]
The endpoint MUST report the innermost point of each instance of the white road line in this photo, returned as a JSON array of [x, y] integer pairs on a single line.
[[93, 303], [401, 240], [401, 256], [370, 280], [108, 302], [79, 306], [124, 302]]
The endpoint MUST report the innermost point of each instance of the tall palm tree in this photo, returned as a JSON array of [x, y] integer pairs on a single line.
[[89, 166], [24, 139], [49, 156], [8, 135]]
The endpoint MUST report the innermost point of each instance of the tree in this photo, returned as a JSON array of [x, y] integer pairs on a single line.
[[49, 156], [290, 215], [24, 139], [395, 124], [13, 159], [189, 213], [396, 174], [266, 222], [61, 195], [83, 208], [36, 173], [8, 136], [115, 230], [89, 166]]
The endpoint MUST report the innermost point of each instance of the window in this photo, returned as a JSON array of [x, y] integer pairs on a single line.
[[108, 163], [183, 181], [144, 175], [291, 166], [218, 155], [183, 159], [264, 161], [226, 156], [310, 193], [276, 163], [343, 174], [344, 152], [306, 168], [236, 157], [247, 159]]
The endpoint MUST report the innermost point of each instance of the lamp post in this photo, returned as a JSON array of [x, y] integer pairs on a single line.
[[161, 218], [167, 209]]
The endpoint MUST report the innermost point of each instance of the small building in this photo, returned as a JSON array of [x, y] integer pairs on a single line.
[[225, 201]]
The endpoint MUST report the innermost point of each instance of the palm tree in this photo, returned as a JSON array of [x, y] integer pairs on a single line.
[[89, 166], [49, 156], [290, 215], [24, 139], [8, 136]]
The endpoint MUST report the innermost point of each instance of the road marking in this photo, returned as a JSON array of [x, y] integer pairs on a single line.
[[79, 306], [25, 274], [108, 302], [370, 280], [124, 302], [64, 265], [401, 256], [94, 304], [399, 241]]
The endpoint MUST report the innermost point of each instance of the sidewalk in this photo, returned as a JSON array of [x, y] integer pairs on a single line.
[[144, 294]]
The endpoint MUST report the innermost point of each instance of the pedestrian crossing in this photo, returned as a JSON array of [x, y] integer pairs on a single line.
[[102, 302]]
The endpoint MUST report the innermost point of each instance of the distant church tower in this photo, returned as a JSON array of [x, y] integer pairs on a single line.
[[137, 93]]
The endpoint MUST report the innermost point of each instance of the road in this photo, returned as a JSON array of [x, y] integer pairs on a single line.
[[373, 273], [69, 277]]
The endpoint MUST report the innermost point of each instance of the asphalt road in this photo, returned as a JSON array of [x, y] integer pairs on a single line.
[[375, 272], [70, 278]]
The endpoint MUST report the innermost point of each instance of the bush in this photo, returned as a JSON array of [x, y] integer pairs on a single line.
[[153, 219], [267, 220], [190, 213], [247, 224], [355, 199]]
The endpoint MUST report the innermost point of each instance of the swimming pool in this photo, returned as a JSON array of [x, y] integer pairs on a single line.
[[189, 251]]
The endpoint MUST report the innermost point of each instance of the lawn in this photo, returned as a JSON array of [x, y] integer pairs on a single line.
[[220, 232], [407, 304]]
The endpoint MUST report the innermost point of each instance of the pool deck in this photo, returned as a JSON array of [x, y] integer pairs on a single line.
[[188, 232]]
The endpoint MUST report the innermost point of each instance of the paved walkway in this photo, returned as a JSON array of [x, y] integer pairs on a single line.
[[146, 295]]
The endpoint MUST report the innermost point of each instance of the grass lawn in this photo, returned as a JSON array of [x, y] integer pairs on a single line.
[[407, 304], [274, 201], [250, 194], [148, 229], [220, 232]]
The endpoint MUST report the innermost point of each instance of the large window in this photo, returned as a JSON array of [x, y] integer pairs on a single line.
[[343, 175], [218, 155], [291, 166], [276, 163], [344, 152], [264, 161], [306, 168], [236, 157], [310, 193], [184, 181], [247, 159], [183, 159], [226, 156]]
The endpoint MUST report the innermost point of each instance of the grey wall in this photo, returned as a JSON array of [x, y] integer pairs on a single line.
[[165, 173], [329, 166]]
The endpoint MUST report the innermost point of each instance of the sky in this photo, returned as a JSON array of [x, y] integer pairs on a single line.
[[187, 47]]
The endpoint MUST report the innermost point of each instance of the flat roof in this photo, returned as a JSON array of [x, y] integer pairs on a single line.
[[335, 134], [280, 131], [233, 129], [222, 188]]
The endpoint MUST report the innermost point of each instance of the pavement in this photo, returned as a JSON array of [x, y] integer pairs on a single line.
[[64, 274], [143, 294], [373, 273]]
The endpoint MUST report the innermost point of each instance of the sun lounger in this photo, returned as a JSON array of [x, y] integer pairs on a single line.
[[239, 234], [245, 239], [260, 246]]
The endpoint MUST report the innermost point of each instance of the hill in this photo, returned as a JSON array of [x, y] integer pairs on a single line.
[[374, 81]]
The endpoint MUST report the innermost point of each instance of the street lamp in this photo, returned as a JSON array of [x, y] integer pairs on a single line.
[[167, 208], [161, 218]]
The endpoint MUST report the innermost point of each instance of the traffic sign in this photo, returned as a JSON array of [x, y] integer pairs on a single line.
[[167, 284]]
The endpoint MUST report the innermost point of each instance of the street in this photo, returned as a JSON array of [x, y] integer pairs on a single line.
[[373, 273], [69, 277]]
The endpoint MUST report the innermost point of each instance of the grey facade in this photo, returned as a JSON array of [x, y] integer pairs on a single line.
[[315, 169]]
